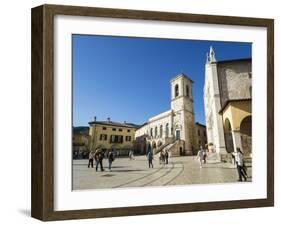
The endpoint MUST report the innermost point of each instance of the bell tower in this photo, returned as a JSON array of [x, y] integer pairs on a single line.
[[183, 112], [181, 93]]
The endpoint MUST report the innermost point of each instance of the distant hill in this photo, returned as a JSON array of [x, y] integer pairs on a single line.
[[81, 130]]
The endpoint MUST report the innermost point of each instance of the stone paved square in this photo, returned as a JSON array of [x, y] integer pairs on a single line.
[[135, 173]]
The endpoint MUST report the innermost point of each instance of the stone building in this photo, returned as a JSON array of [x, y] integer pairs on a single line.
[[80, 142], [200, 135], [227, 100], [112, 135], [174, 129]]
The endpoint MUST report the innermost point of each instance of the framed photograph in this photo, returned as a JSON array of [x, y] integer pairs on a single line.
[[142, 112]]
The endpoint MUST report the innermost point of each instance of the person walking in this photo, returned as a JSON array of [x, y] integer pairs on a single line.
[[148, 149], [200, 156], [96, 156], [110, 159], [91, 159], [204, 155], [99, 155], [166, 156], [131, 154], [240, 164], [161, 157], [150, 158]]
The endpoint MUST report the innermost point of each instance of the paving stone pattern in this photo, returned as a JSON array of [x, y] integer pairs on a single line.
[[136, 173]]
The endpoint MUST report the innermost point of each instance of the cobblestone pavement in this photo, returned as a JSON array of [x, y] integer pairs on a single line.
[[135, 173]]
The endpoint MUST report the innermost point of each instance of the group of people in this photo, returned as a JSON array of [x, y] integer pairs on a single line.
[[98, 157], [164, 156], [238, 160]]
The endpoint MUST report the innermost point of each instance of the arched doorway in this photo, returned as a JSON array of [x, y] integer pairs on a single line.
[[159, 143], [228, 136], [181, 151], [246, 135]]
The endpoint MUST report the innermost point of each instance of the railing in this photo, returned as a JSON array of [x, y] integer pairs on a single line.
[[173, 140]]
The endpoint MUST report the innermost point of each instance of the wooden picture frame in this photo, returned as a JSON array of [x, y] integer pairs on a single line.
[[42, 203]]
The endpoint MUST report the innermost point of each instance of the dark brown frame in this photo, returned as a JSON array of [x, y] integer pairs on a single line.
[[43, 119]]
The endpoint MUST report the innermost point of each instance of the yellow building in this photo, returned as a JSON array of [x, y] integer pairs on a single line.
[[112, 135], [237, 123]]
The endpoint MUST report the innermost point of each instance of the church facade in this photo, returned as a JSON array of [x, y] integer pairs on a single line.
[[174, 129], [227, 101]]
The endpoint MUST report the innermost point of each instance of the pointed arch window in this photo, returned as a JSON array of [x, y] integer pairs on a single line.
[[176, 90]]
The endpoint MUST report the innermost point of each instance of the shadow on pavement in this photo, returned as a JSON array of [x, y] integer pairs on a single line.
[[128, 170]]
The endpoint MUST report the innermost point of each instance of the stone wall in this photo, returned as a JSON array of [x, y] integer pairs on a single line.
[[235, 80]]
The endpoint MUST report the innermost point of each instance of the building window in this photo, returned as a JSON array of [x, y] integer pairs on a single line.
[[128, 138], [151, 132], [167, 130], [155, 131], [120, 130], [116, 139], [250, 91], [161, 131], [113, 129], [198, 132], [103, 128], [128, 131], [250, 74], [103, 137], [187, 90], [204, 133], [176, 90]]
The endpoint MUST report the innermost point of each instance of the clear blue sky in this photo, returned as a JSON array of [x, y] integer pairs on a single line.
[[127, 79]]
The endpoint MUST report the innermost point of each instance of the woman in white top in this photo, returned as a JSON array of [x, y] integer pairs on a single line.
[[200, 156], [240, 164]]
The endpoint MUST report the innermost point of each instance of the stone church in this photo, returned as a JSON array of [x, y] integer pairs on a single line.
[[228, 104], [175, 129]]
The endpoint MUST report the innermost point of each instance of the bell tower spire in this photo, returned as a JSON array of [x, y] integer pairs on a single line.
[[212, 58]]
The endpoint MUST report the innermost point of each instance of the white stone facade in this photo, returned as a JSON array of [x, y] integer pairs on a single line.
[[225, 82], [212, 104], [173, 129]]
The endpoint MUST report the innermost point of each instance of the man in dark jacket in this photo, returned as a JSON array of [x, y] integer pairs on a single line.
[[99, 155], [110, 159], [166, 156], [150, 158]]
